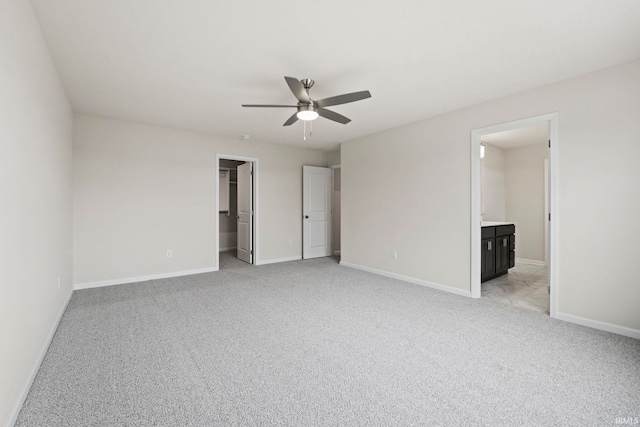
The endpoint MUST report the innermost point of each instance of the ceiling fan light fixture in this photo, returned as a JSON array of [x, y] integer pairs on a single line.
[[307, 113]]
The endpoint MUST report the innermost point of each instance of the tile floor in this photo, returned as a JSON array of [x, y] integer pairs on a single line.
[[525, 285]]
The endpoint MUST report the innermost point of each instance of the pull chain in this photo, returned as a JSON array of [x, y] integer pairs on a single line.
[[304, 129]]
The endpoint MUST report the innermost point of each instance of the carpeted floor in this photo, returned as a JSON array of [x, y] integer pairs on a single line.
[[313, 343], [228, 260]]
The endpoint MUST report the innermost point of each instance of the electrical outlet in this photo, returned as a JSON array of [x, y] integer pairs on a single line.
[[169, 253], [58, 283], [394, 254]]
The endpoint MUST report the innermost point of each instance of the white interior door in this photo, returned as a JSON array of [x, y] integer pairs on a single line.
[[245, 212], [546, 211], [316, 212]]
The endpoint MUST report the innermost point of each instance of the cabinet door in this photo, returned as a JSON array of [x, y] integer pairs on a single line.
[[512, 251], [503, 248], [488, 259]]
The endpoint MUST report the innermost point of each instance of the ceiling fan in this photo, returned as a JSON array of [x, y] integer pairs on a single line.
[[308, 109]]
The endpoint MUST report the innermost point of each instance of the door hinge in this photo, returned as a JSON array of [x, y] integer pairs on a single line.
[[549, 216], [549, 143], [251, 252]]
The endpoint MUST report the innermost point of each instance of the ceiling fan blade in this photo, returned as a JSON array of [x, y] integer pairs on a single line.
[[332, 115], [343, 99], [298, 90], [291, 120], [269, 105]]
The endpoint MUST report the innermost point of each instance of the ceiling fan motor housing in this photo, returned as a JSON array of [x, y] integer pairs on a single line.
[[307, 107]]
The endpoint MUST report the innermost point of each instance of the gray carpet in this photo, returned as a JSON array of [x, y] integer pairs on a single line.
[[312, 343]]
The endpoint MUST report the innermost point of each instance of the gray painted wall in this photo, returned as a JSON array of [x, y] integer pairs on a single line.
[[163, 197], [423, 208], [36, 123]]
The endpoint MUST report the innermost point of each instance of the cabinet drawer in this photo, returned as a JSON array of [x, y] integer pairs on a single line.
[[488, 232], [505, 230]]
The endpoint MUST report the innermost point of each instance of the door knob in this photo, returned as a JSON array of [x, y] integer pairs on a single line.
[[237, 216], [306, 217]]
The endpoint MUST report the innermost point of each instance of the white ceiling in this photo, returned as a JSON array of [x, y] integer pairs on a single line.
[[190, 64], [537, 134]]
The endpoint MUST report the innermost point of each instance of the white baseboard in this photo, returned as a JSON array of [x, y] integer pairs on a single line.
[[227, 249], [409, 279], [274, 261], [125, 280], [22, 396], [530, 261], [603, 326]]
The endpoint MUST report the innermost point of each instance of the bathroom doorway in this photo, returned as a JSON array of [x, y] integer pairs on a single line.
[[513, 169], [509, 188]]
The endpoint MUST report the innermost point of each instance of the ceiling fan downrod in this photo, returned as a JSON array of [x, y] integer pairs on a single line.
[[307, 83]]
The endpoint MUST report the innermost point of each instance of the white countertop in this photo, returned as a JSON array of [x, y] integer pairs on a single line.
[[494, 223]]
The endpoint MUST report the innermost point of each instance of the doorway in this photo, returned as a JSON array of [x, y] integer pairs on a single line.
[[479, 208], [513, 192], [237, 212]]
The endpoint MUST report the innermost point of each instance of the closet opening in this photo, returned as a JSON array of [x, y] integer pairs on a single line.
[[236, 197]]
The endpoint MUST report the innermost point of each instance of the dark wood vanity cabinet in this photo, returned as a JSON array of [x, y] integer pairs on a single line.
[[488, 259], [498, 250]]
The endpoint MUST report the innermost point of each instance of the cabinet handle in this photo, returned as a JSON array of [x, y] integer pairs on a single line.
[[489, 245], [504, 242]]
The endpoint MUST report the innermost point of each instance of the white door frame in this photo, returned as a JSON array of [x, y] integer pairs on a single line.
[[256, 175], [476, 200], [333, 224]]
